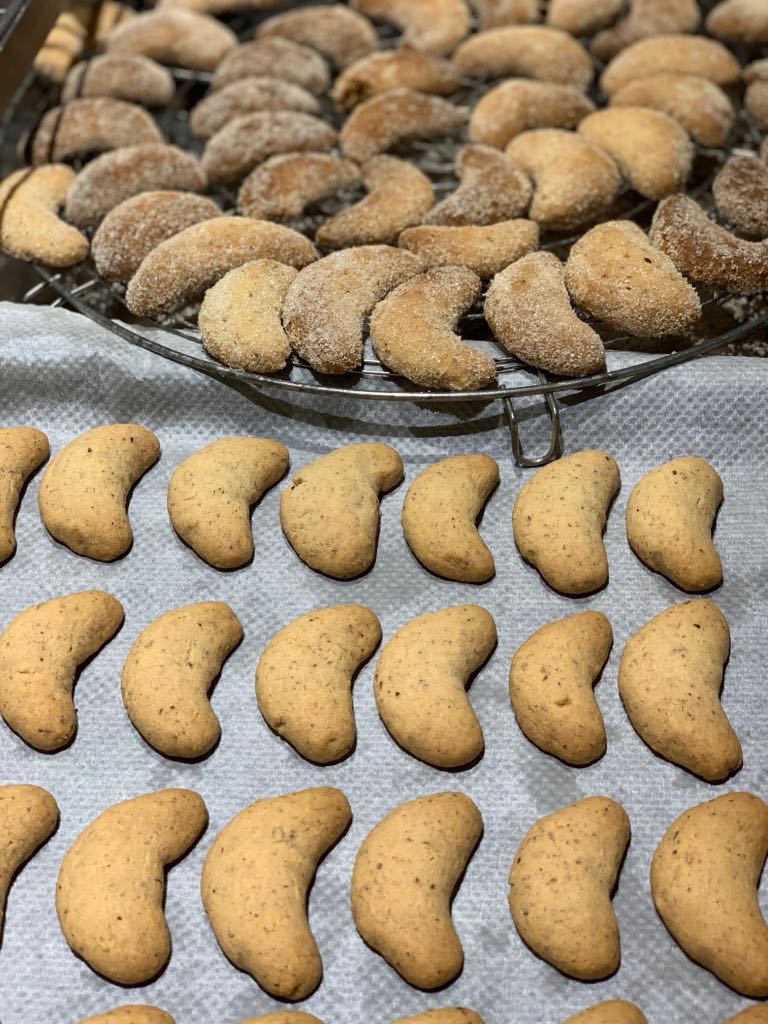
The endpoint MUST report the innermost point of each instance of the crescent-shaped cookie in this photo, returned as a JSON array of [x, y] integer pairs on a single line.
[[181, 38], [394, 69], [124, 76], [325, 306], [434, 26], [491, 189], [485, 250], [526, 51], [413, 331], [30, 226], [340, 34], [192, 260], [246, 96], [273, 55], [284, 185], [521, 104], [28, 818], [91, 126], [22, 451], [113, 177], [646, 18], [689, 55], [698, 105], [395, 116]]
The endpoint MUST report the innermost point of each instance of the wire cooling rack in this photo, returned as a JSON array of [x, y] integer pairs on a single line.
[[176, 336]]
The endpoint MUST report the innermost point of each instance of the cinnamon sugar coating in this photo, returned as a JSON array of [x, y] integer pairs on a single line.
[[398, 195], [706, 252], [122, 173], [528, 51], [646, 18], [740, 190], [239, 317], [184, 265], [433, 26], [273, 55], [583, 17], [134, 228], [30, 227], [91, 126], [521, 104], [247, 96], [181, 38], [413, 331], [739, 21], [217, 6], [124, 76], [391, 117], [484, 250], [756, 95], [284, 185], [340, 34], [574, 180], [654, 153], [530, 313], [687, 55], [324, 310], [615, 274], [698, 105], [495, 13], [248, 140], [394, 69], [491, 189]]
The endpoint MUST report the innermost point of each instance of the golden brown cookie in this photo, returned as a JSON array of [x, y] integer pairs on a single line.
[[583, 17], [255, 886], [698, 105], [684, 54], [41, 651], [188, 263], [399, 195], [670, 516], [124, 76], [304, 679], [527, 51], [529, 311], [212, 492], [169, 671], [413, 331], [610, 1011], [704, 878], [326, 304], [133, 228], [485, 250], [561, 883], [574, 180], [551, 686], [338, 33], [440, 514], [421, 681], [275, 56], [559, 518], [113, 177], [394, 69], [85, 488], [756, 95], [284, 185], [181, 38], [30, 227], [249, 139], [495, 13], [330, 512], [521, 104], [110, 892], [22, 451], [646, 18], [670, 678], [239, 316], [88, 126], [132, 1013], [491, 188], [246, 96], [648, 298], [432, 26], [706, 252], [406, 874], [652, 151], [739, 21], [395, 116], [28, 818], [740, 191]]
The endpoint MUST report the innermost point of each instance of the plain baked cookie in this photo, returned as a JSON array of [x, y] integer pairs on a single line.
[[133, 1013], [559, 518], [611, 1011], [330, 511], [22, 451], [28, 818], [440, 514]]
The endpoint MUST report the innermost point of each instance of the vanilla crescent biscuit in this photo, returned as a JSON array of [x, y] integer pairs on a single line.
[[30, 227], [689, 55], [124, 76], [22, 451], [530, 51], [394, 69], [495, 13], [739, 21], [113, 177], [284, 185], [491, 188], [189, 262], [698, 105], [246, 96], [181, 38], [434, 26], [28, 818], [91, 126], [520, 104], [273, 55], [395, 116], [340, 34], [485, 250], [646, 18], [740, 191], [583, 17]]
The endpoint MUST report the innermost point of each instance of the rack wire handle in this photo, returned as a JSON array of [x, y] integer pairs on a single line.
[[555, 449]]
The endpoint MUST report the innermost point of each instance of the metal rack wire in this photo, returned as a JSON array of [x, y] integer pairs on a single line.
[[175, 336]]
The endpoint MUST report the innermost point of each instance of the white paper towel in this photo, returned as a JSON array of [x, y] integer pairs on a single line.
[[62, 374]]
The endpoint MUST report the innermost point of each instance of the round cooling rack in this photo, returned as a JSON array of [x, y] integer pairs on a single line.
[[726, 319]]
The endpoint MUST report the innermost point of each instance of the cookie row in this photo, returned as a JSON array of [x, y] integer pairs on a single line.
[[259, 869], [330, 511], [670, 678]]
